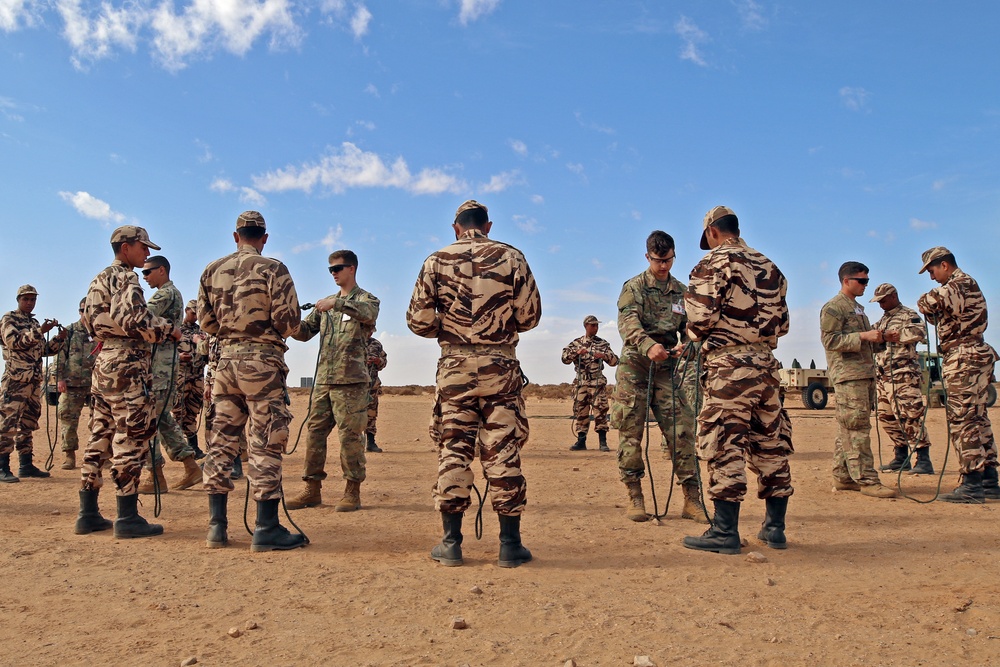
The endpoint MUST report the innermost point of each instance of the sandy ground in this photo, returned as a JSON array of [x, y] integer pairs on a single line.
[[863, 582]]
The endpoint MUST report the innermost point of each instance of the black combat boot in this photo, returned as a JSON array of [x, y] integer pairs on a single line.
[[512, 552], [449, 552], [580, 444], [217, 521], [27, 468], [923, 465], [900, 461], [772, 531], [6, 475], [129, 523], [90, 519], [237, 469], [193, 444], [723, 536], [602, 438], [970, 491], [991, 489], [371, 446], [269, 534]]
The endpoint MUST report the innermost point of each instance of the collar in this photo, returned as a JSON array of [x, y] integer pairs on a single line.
[[472, 234]]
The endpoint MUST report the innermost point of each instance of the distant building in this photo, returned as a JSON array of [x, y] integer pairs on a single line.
[[306, 383]]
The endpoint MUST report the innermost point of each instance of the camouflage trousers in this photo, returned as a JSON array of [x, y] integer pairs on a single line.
[[671, 408], [852, 455], [901, 409], [346, 407], [249, 391], [190, 399], [742, 424], [967, 370], [167, 430], [209, 414], [123, 419], [374, 391], [71, 404], [21, 393], [587, 399], [479, 401]]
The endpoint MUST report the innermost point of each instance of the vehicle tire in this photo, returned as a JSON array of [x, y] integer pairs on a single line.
[[991, 395], [815, 396]]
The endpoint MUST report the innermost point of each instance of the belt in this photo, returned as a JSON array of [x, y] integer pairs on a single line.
[[499, 349], [964, 340], [737, 349], [114, 343], [227, 348]]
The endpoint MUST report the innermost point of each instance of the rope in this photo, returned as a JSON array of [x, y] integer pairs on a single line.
[[50, 461], [312, 391]]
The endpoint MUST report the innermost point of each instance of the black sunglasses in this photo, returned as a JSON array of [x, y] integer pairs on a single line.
[[863, 281], [337, 268], [146, 272]]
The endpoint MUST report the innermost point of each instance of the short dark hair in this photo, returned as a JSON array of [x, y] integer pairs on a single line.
[[659, 243], [728, 224], [116, 246], [850, 268], [347, 255], [156, 261], [950, 258], [251, 233]]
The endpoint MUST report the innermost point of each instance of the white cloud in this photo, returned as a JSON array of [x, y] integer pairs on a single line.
[[691, 36], [349, 168], [502, 181], [206, 151], [751, 15], [537, 199], [14, 13], [527, 224], [855, 99], [95, 37], [920, 225], [590, 125], [90, 206], [372, 90], [518, 146], [247, 195], [472, 10], [8, 107], [330, 241], [360, 20], [222, 185]]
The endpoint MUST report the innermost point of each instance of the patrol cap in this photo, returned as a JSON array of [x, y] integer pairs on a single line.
[[716, 214], [472, 213], [590, 319], [932, 255], [130, 233], [250, 219], [882, 291], [192, 305], [26, 289]]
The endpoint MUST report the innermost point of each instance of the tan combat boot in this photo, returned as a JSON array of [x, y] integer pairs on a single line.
[[311, 496], [693, 509], [637, 505], [878, 491], [192, 475], [352, 497], [146, 487], [69, 463], [849, 485]]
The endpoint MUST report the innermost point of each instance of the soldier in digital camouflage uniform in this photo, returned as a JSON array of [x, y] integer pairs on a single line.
[[23, 341], [588, 354], [249, 302], [167, 303], [74, 366], [736, 308], [376, 361], [344, 322], [190, 377], [850, 342], [651, 321], [123, 418], [958, 309], [897, 383], [475, 296]]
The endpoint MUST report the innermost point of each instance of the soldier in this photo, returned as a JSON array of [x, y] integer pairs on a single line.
[[736, 308], [209, 348], [167, 303], [958, 309], [74, 365], [588, 354], [475, 296], [340, 396], [190, 377], [897, 383], [249, 302], [376, 361], [651, 320], [850, 341], [123, 419], [24, 345]]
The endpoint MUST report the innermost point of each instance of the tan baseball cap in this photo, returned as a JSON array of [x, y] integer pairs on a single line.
[[473, 212], [715, 214], [193, 305], [882, 291], [932, 255], [26, 289], [250, 219], [130, 233]]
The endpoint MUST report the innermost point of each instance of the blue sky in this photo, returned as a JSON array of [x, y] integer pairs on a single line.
[[836, 131]]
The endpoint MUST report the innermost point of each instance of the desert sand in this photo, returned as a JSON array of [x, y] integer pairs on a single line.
[[863, 581]]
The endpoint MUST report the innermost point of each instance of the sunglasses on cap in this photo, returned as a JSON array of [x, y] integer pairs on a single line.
[[863, 281], [337, 268]]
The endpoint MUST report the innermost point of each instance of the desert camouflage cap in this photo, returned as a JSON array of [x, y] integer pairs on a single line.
[[932, 255], [882, 291], [590, 319], [472, 212], [192, 305], [130, 233], [250, 219], [26, 289], [714, 215]]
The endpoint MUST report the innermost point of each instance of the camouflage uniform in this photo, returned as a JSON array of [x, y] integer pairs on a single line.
[[377, 352], [24, 345], [650, 312], [340, 394], [958, 310], [589, 393], [474, 296], [249, 302], [852, 371], [897, 378], [190, 379], [74, 366], [168, 304]]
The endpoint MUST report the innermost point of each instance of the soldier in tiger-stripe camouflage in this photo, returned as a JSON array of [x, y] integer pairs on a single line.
[[588, 354], [190, 377], [735, 304], [74, 367], [475, 296], [376, 361]]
